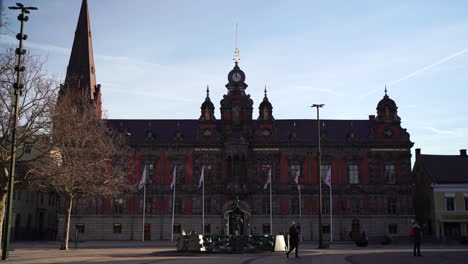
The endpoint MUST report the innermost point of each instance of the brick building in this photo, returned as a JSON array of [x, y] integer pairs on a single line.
[[369, 161]]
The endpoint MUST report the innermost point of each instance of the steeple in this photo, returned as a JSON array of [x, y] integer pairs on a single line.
[[81, 76]]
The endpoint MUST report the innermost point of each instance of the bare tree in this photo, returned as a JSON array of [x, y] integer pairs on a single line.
[[88, 159], [35, 105]]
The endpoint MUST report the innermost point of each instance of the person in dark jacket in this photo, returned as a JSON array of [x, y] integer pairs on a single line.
[[293, 239], [417, 239]]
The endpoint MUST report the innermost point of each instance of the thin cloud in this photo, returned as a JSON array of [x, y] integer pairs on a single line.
[[417, 72], [450, 57], [440, 131]]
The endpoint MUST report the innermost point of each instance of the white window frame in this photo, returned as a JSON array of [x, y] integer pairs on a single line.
[[390, 174], [446, 203], [353, 178]]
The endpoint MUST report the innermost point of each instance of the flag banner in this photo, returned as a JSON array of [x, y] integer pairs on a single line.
[[202, 177], [174, 173], [296, 179], [327, 178], [143, 179], [268, 179]]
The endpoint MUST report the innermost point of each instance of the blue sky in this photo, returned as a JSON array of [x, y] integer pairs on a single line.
[[154, 58]]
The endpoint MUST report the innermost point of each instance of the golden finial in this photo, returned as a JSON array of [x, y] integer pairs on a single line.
[[236, 51]]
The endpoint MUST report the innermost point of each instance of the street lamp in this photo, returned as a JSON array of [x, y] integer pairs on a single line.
[[17, 86], [319, 154]]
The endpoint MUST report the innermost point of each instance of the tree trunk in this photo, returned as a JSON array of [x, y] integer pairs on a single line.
[[66, 227], [3, 198]]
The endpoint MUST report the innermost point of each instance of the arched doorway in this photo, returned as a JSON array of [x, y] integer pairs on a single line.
[[237, 220]]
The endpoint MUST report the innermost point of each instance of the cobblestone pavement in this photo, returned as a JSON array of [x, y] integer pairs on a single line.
[[132, 252]]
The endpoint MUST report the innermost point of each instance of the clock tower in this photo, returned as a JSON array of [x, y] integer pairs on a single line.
[[236, 105]]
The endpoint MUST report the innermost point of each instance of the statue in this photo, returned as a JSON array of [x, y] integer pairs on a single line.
[[237, 221]]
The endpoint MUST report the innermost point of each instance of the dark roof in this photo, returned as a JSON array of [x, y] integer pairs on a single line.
[[331, 130], [445, 168], [305, 129]]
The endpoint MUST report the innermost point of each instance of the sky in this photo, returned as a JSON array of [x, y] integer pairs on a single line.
[[154, 58]]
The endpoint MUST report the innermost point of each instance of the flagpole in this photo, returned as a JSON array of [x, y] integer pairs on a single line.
[[331, 215], [271, 206], [144, 211], [300, 208], [203, 204], [173, 207]]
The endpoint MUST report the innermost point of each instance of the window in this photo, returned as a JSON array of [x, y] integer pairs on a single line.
[[177, 228], [294, 208], [80, 228], [356, 206], [391, 206], [389, 173], [207, 174], [353, 172], [266, 229], [151, 168], [179, 174], [178, 206], [324, 170], [263, 173], [266, 206], [292, 172], [207, 229], [117, 229], [325, 205], [393, 229], [450, 203], [326, 229], [466, 203], [27, 149], [118, 206]]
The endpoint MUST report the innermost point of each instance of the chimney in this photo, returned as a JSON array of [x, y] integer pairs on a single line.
[[418, 152], [463, 152], [371, 117]]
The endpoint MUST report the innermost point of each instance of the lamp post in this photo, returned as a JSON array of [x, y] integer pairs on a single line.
[[319, 154], [17, 86]]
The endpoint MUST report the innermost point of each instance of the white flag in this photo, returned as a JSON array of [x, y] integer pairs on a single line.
[[298, 174], [174, 177], [202, 177], [143, 179], [268, 179], [327, 178]]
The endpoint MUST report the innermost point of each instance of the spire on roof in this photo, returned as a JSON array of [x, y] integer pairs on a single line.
[[385, 90], [207, 91], [265, 91], [80, 71]]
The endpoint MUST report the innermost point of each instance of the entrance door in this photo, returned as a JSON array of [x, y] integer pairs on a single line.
[[452, 230], [147, 232]]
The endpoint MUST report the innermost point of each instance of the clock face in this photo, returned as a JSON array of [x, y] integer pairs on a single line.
[[236, 77], [388, 132], [266, 132]]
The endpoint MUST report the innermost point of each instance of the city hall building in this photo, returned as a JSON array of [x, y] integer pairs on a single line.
[[369, 158]]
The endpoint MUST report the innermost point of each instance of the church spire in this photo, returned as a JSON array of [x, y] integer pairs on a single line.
[[81, 76], [80, 71]]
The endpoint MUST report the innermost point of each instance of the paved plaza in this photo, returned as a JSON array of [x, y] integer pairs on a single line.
[[132, 252]]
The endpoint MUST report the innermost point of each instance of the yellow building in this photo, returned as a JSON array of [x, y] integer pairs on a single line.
[[441, 196]]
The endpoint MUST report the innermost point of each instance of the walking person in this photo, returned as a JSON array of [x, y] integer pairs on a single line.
[[293, 239], [416, 233]]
